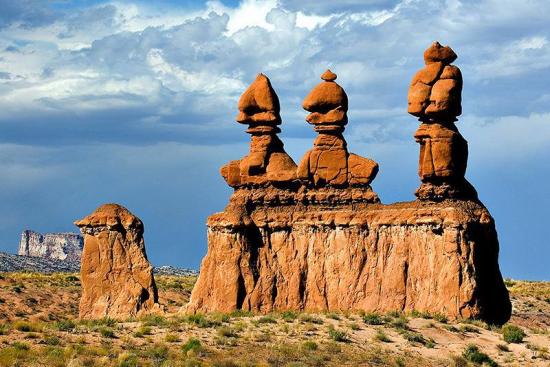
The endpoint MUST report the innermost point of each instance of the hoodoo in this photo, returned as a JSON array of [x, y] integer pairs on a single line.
[[316, 237], [117, 278]]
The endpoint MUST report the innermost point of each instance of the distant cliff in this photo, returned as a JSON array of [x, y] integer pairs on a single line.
[[59, 246]]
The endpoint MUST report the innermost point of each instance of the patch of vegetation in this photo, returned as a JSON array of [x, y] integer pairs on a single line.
[[512, 334], [382, 336], [400, 323], [266, 320], [154, 320], [337, 335], [52, 340], [334, 316], [474, 355], [171, 338], [107, 332], [310, 345], [143, 330], [503, 347], [468, 329], [202, 321], [158, 353], [372, 318], [311, 319], [289, 316], [241, 313], [26, 326], [65, 325], [227, 332], [192, 344]]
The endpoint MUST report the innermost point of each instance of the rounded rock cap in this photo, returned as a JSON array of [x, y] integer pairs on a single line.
[[438, 53], [111, 215], [326, 95], [259, 103]]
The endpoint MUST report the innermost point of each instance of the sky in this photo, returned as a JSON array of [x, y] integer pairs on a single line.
[[134, 102]]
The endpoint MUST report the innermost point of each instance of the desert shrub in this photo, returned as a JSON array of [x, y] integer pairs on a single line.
[[468, 329], [474, 355], [171, 338], [202, 321], [4, 329], [158, 353], [71, 278], [266, 320], [334, 316], [372, 319], [127, 360], [52, 340], [337, 335], [512, 334], [227, 332], [143, 330], [107, 332], [192, 344], [20, 346], [289, 316], [381, 336], [241, 313], [65, 325], [154, 320], [394, 314], [311, 319], [439, 317], [310, 345], [400, 323], [105, 321], [354, 326], [26, 326]]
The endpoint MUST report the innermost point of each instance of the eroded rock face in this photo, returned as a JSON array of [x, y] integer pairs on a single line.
[[323, 251], [58, 246], [117, 279]]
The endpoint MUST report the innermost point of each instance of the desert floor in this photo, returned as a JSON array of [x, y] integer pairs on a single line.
[[40, 327]]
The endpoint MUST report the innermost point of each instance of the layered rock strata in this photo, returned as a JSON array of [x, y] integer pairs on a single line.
[[435, 98], [57, 246], [117, 279], [321, 240], [332, 254]]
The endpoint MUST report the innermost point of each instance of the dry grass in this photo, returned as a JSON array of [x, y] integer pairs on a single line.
[[43, 330]]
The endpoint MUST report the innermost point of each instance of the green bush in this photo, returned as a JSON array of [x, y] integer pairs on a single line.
[[65, 325], [192, 344], [52, 340], [267, 320], [337, 335], [512, 334], [310, 345], [474, 355], [107, 332], [381, 336], [372, 319], [289, 316], [143, 330], [310, 318]]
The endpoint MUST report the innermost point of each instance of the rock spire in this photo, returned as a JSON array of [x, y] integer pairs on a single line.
[[329, 163], [267, 160], [435, 98], [117, 278]]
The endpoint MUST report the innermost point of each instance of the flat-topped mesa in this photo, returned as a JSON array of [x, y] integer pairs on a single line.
[[267, 160], [117, 278], [435, 97], [329, 163]]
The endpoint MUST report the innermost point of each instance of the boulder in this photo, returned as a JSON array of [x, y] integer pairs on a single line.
[[117, 279]]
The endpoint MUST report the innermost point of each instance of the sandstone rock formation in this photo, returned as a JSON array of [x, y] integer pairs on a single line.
[[267, 160], [324, 242], [329, 163], [58, 246], [435, 98], [117, 279]]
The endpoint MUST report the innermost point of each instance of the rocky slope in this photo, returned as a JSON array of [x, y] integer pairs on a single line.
[[60, 246]]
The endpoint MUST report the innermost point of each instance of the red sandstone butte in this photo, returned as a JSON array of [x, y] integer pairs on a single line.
[[322, 241], [117, 279]]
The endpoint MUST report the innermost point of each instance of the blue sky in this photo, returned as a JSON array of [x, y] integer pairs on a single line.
[[134, 103]]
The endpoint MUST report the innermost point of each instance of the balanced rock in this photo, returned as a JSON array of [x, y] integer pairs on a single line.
[[435, 98], [117, 279], [267, 160], [329, 162]]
